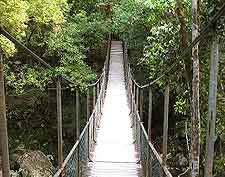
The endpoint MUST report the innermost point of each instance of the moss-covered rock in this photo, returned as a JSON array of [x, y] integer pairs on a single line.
[[35, 164]]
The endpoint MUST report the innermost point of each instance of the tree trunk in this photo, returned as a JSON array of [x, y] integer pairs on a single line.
[[214, 66], [184, 39], [195, 139], [3, 124]]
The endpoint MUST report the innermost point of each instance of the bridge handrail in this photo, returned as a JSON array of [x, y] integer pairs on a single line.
[[68, 157], [80, 137], [96, 111], [101, 82], [214, 29], [159, 159], [136, 118], [143, 140]]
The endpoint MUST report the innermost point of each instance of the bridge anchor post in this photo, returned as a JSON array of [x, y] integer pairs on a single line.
[[165, 124], [59, 121]]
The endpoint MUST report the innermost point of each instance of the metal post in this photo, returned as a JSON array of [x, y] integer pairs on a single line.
[[94, 116], [133, 105], [88, 104], [103, 85], [131, 97], [139, 138], [100, 97], [98, 105], [94, 97], [134, 92], [78, 129], [134, 108], [212, 107], [59, 122], [150, 115], [137, 98], [130, 88], [88, 116], [3, 123], [77, 115], [149, 159], [165, 124], [97, 94], [88, 143], [141, 104]]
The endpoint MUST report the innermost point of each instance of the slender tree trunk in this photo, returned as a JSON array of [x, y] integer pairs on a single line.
[[214, 66], [195, 139], [183, 32], [3, 124]]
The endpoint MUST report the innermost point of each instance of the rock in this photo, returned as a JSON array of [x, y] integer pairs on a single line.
[[35, 164]]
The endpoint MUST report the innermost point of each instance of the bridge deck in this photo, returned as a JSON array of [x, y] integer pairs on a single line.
[[114, 154]]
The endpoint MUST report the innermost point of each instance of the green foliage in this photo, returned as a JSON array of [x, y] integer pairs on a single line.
[[20, 77], [7, 46], [13, 16], [160, 48], [128, 22], [95, 30], [52, 33], [181, 105], [32, 18], [45, 12], [157, 31], [44, 18], [67, 47]]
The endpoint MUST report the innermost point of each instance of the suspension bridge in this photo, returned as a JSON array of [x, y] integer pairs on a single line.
[[114, 141]]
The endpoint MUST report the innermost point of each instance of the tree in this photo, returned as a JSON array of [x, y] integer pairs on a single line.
[[13, 17], [195, 137]]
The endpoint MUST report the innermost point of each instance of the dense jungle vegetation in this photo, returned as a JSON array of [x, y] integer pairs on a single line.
[[71, 35]]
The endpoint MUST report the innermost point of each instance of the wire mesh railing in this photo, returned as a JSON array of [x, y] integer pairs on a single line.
[[59, 96], [152, 163], [76, 161], [211, 44]]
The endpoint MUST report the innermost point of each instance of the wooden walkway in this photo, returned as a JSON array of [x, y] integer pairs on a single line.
[[114, 154]]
